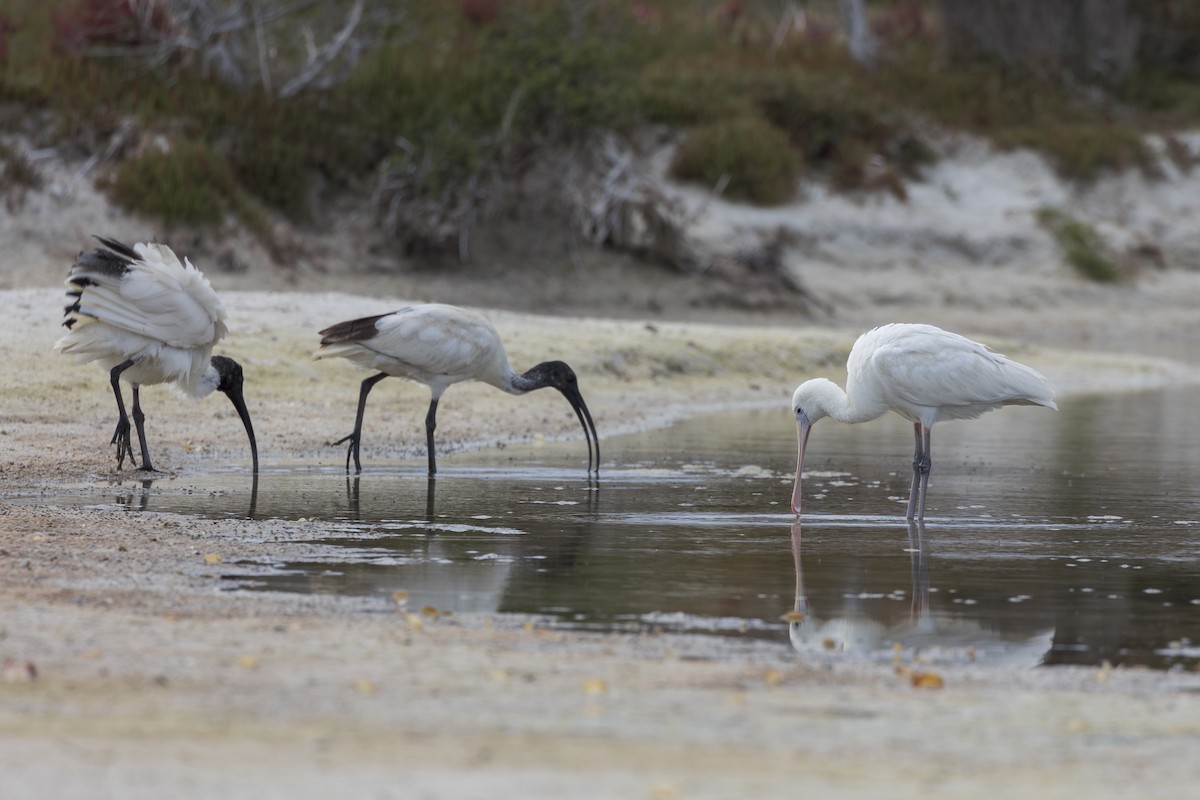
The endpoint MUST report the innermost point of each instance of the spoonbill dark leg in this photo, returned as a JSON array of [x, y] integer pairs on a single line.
[[922, 461], [121, 434], [139, 420], [355, 438], [430, 426]]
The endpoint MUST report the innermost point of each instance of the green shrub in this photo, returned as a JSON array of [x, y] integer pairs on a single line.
[[187, 185], [274, 170], [16, 171], [1082, 152], [755, 156], [1083, 248], [839, 130]]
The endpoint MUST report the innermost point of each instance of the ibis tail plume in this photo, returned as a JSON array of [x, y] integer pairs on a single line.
[[440, 345], [147, 318], [924, 374]]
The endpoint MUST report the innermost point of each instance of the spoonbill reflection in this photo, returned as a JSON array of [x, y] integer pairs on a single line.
[[920, 633], [924, 374]]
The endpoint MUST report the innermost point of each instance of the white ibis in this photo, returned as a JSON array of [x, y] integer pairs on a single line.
[[924, 374], [146, 318], [440, 345]]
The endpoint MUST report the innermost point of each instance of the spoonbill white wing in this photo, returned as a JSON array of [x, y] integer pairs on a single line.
[[926, 373]]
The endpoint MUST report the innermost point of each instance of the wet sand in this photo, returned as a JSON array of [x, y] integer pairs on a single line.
[[129, 671]]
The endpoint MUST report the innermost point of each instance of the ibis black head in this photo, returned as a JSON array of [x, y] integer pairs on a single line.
[[558, 375], [230, 373]]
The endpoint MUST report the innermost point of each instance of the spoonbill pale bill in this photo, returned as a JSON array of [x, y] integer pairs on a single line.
[[924, 374], [147, 318], [440, 345]]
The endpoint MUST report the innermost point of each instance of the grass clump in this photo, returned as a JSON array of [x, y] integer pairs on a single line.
[[1083, 248], [189, 184], [16, 171], [840, 131], [751, 155]]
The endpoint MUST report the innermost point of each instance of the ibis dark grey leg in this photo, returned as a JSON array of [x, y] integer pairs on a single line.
[[139, 420], [355, 438], [121, 434]]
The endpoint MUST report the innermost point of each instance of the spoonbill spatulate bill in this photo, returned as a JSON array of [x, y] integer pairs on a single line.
[[441, 345], [924, 374], [148, 318]]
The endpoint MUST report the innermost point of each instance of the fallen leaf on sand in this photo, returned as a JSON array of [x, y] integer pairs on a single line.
[[212, 558], [926, 680]]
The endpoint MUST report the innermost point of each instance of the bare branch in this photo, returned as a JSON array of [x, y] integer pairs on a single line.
[[325, 57]]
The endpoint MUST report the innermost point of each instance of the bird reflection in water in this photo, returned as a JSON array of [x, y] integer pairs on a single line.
[[354, 499], [134, 500], [922, 635]]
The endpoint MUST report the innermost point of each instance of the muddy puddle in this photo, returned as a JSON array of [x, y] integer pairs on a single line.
[[1068, 538]]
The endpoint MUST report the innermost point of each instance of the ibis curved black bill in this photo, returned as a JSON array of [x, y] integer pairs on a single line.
[[239, 403], [589, 427], [230, 384]]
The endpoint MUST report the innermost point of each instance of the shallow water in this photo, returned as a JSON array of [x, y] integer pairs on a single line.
[[1067, 538]]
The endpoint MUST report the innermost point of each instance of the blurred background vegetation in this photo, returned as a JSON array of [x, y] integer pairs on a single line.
[[438, 108]]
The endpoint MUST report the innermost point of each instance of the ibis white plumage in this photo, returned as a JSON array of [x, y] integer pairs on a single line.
[[924, 374], [148, 318], [440, 345]]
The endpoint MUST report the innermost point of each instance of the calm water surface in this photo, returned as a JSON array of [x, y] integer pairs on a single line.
[[1068, 538]]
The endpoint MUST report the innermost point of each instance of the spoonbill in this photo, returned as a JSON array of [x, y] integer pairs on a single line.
[[147, 318], [440, 345], [924, 374]]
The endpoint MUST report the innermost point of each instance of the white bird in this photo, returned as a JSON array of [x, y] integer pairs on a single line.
[[924, 374], [440, 345], [146, 319]]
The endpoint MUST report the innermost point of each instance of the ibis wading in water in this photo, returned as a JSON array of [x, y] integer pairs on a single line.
[[924, 374], [146, 318], [440, 345]]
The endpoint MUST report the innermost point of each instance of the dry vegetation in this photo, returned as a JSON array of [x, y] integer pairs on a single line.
[[441, 115]]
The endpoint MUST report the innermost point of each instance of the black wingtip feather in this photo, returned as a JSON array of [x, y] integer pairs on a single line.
[[354, 330], [118, 247]]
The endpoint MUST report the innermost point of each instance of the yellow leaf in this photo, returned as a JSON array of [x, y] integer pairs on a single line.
[[212, 558], [595, 686], [249, 662], [414, 622], [927, 680]]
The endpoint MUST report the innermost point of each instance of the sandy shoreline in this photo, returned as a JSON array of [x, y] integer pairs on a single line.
[[152, 682]]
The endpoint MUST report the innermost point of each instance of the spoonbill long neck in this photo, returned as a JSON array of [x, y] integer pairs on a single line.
[[846, 407]]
